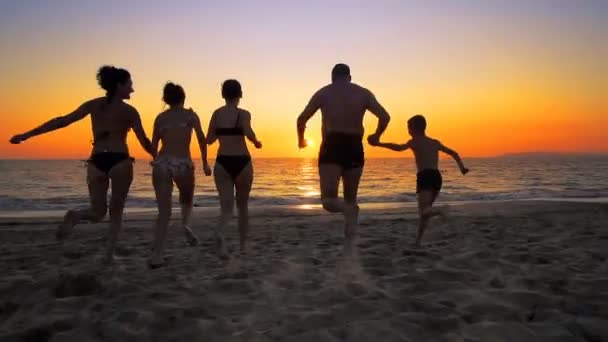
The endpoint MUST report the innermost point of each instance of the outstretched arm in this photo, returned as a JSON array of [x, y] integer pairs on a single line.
[[383, 118], [141, 134], [311, 108], [202, 141], [394, 147], [454, 155], [249, 133], [55, 123]]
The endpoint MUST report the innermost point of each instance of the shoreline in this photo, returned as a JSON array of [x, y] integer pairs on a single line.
[[28, 215]]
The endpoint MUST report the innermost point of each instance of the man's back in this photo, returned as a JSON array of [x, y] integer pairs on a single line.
[[343, 105]]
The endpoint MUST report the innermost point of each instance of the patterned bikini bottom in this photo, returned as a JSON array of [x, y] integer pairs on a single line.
[[173, 165]]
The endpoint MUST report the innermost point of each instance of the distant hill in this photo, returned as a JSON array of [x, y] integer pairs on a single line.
[[552, 154]]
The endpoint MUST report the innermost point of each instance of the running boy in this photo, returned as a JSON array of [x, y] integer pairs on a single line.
[[428, 179]]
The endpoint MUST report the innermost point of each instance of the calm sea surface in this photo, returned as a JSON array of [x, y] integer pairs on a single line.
[[42, 185]]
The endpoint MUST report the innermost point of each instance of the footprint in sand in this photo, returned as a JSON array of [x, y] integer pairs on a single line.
[[439, 244], [123, 251], [7, 309], [73, 255], [314, 261], [77, 285]]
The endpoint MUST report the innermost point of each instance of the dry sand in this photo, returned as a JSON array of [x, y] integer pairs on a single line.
[[519, 271]]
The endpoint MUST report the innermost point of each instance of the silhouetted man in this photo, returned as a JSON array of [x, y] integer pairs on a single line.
[[342, 105]]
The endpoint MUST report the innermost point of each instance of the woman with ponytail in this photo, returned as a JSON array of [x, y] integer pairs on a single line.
[[110, 162]]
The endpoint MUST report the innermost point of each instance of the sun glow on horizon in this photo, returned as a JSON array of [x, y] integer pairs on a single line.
[[490, 77]]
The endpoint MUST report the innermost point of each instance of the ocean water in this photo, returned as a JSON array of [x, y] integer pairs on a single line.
[[43, 185]]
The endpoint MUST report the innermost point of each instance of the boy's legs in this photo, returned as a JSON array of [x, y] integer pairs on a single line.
[[426, 211], [428, 185]]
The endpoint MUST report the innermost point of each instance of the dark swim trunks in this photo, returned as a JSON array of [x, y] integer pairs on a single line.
[[342, 149], [428, 179]]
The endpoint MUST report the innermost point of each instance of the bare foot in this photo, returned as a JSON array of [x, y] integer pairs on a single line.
[[348, 247], [65, 228], [444, 212], [108, 259], [156, 261], [221, 247], [191, 238], [109, 256], [243, 253], [223, 255]]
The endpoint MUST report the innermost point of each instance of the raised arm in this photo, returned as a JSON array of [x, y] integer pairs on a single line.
[[140, 133], [311, 108], [394, 147], [249, 133], [55, 123], [454, 155], [383, 118], [202, 142]]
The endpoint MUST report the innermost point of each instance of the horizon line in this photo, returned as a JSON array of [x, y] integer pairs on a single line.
[[514, 154]]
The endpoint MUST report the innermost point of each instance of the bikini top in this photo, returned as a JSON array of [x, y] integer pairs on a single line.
[[236, 130], [183, 125]]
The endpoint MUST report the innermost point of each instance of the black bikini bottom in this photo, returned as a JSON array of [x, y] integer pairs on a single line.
[[105, 161], [233, 164]]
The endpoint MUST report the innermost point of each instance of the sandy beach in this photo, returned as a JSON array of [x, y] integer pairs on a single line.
[[506, 271]]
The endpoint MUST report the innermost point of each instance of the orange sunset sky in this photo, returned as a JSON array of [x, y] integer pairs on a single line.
[[492, 77]]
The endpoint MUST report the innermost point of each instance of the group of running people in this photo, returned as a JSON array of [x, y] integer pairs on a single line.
[[341, 156]]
